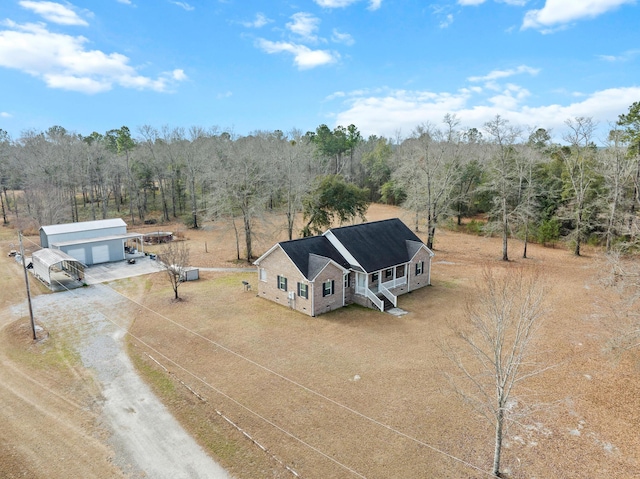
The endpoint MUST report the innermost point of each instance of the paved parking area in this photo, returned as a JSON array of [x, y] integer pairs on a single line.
[[102, 273]]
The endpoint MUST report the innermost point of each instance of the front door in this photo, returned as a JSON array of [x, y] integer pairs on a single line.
[[361, 283]]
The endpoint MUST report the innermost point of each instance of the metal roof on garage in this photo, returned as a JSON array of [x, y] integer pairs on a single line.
[[83, 226], [49, 257], [97, 240]]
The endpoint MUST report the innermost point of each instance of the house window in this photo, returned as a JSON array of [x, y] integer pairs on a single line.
[[263, 274], [388, 273], [419, 268], [374, 277], [346, 280], [328, 287], [303, 290], [282, 283]]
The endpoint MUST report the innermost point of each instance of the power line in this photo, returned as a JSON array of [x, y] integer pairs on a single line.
[[305, 388]]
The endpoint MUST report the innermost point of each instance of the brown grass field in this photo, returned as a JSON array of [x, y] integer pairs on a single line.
[[359, 393]]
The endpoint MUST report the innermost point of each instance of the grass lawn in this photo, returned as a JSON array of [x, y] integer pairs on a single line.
[[359, 393]]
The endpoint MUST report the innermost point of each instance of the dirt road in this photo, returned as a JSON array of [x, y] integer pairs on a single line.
[[112, 425]]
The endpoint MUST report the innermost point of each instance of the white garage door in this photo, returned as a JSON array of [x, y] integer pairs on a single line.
[[78, 254], [100, 254]]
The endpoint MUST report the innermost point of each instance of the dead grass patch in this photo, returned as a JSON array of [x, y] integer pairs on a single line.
[[309, 375]]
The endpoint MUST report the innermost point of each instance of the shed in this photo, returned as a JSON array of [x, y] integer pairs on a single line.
[[49, 263], [190, 274], [93, 242]]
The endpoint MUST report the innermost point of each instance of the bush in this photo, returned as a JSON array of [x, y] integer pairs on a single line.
[[475, 227], [549, 231]]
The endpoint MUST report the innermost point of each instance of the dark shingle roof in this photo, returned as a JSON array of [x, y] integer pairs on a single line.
[[379, 244], [301, 252]]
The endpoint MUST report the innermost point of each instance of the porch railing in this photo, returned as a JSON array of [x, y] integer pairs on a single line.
[[389, 295], [377, 301], [394, 283]]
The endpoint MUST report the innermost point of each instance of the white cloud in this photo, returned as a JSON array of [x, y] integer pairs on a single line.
[[472, 3], [373, 4], [448, 20], [623, 57], [4, 114], [260, 21], [178, 74], [304, 25], [63, 62], [334, 95], [510, 97], [303, 56], [126, 2], [54, 12], [184, 5], [335, 3], [497, 74], [226, 94], [339, 37], [557, 13], [386, 112]]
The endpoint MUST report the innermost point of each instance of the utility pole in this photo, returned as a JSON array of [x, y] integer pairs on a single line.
[[26, 280]]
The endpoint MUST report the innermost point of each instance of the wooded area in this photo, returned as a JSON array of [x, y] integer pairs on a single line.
[[522, 183]]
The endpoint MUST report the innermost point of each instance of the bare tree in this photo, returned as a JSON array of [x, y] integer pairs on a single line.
[[289, 159], [502, 174], [623, 277], [618, 169], [429, 169], [495, 351], [527, 159], [174, 258], [241, 179], [579, 161]]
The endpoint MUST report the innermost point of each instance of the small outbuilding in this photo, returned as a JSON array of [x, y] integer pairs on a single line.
[[93, 242], [52, 267]]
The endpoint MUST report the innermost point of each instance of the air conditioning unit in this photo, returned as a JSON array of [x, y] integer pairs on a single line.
[[292, 299]]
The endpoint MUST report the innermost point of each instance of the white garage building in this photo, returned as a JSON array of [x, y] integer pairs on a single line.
[[92, 242]]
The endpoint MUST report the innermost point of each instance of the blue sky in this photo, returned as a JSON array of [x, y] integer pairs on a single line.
[[383, 65]]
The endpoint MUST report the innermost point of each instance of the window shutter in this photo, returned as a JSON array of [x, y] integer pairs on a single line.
[[278, 281], [333, 286], [285, 284], [324, 290]]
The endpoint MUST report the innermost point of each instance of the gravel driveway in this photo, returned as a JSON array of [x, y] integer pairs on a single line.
[[148, 442]]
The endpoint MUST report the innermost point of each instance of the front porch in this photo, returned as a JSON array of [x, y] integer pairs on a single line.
[[388, 283]]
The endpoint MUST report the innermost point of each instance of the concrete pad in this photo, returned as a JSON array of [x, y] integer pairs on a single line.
[[103, 273], [396, 311]]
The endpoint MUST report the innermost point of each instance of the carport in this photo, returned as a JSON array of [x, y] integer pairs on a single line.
[[56, 268]]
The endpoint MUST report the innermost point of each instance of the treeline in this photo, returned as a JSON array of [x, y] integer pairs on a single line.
[[525, 185]]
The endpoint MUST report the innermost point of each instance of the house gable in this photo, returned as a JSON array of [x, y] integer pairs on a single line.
[[300, 249], [377, 245], [413, 247], [318, 263]]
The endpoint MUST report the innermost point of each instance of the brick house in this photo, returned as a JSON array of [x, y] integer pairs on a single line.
[[370, 264]]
